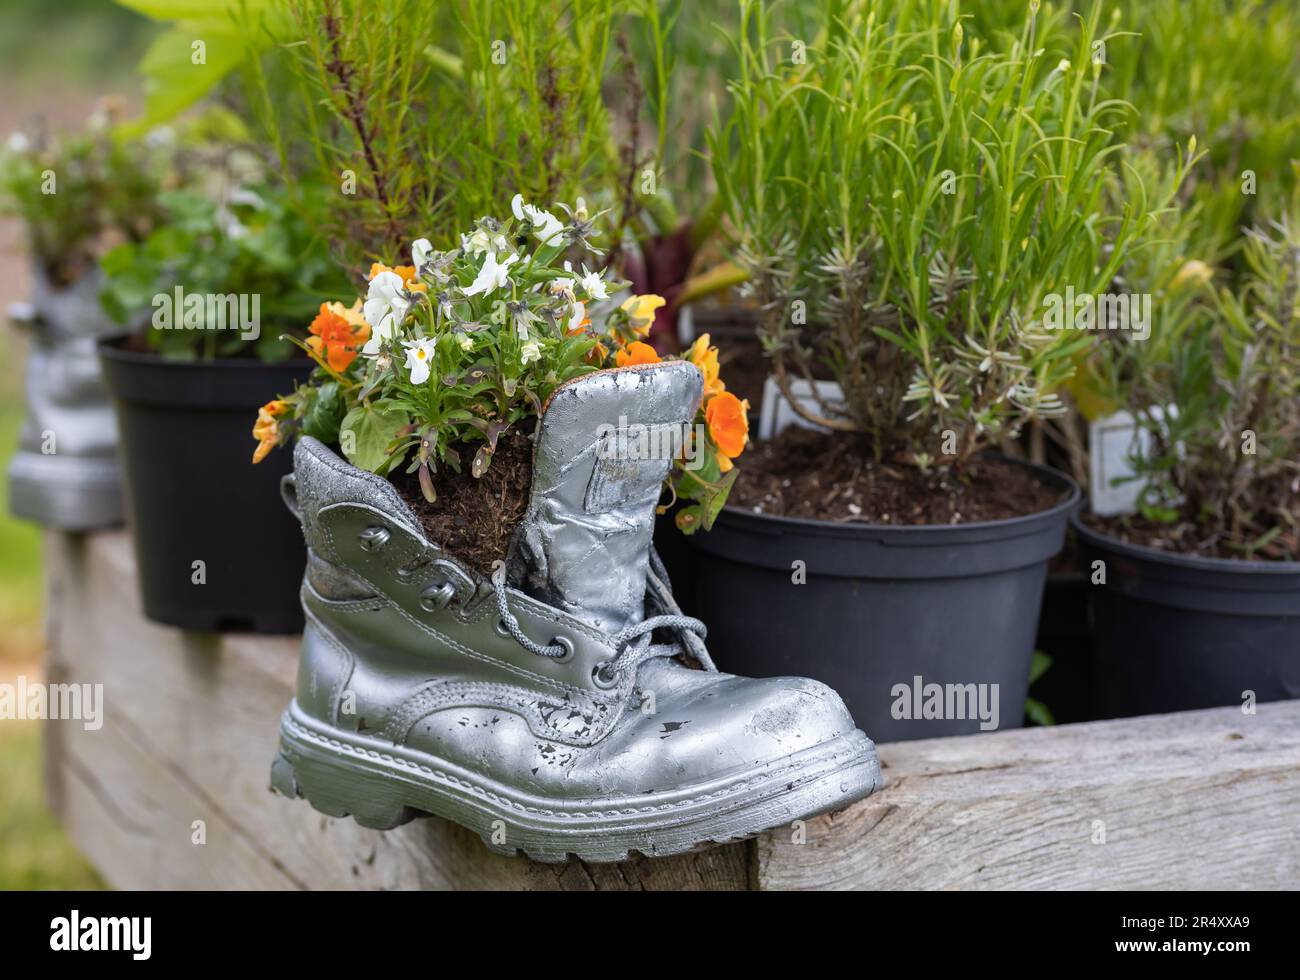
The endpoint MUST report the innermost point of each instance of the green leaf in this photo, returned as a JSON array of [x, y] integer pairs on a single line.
[[325, 414], [366, 434], [231, 31], [1038, 713], [714, 503]]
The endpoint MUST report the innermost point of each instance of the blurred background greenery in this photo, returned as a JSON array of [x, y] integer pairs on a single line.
[[60, 58]]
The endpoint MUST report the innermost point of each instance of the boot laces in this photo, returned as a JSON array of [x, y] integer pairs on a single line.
[[633, 643]]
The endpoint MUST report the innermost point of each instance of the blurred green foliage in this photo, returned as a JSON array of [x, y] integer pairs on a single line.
[[252, 240], [20, 546], [72, 43], [34, 852]]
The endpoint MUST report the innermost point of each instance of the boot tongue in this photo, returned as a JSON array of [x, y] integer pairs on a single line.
[[605, 444]]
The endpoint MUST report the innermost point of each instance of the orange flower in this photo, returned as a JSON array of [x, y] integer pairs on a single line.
[[404, 272], [705, 358], [339, 333], [728, 420], [636, 352], [266, 430]]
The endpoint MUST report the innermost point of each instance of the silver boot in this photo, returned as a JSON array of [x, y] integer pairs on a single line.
[[65, 473], [536, 707]]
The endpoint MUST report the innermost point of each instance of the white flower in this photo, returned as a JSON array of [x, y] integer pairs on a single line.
[[546, 226], [418, 355], [384, 309], [482, 240], [420, 252], [530, 352], [593, 284], [18, 142], [579, 314], [492, 276], [466, 342]]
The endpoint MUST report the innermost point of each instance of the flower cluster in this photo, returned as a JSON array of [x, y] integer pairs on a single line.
[[444, 355]]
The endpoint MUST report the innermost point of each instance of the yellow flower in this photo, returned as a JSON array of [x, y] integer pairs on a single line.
[[1194, 272], [640, 311], [705, 358], [266, 430]]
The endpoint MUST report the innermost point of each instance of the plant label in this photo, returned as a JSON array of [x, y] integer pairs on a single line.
[[777, 412], [1114, 487]]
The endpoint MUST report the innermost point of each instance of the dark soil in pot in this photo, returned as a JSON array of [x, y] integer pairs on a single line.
[[915, 595], [1183, 536], [802, 473], [193, 494], [1174, 632], [472, 517]]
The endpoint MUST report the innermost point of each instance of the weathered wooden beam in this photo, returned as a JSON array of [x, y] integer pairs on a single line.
[[1207, 799], [1199, 799]]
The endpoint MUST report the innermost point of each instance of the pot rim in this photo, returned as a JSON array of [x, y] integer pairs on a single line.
[[1241, 566], [1072, 500], [111, 347]]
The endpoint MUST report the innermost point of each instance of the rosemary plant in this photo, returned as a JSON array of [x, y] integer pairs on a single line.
[[907, 198]]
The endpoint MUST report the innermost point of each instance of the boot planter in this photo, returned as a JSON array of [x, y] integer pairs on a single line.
[[886, 611], [192, 496], [1174, 633], [65, 472], [535, 707]]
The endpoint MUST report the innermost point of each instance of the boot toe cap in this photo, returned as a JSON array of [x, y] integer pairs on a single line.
[[732, 725]]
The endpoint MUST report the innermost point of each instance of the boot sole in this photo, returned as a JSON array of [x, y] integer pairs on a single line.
[[383, 786], [71, 493]]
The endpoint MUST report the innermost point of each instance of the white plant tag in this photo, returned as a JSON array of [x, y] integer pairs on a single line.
[[1113, 440], [777, 414]]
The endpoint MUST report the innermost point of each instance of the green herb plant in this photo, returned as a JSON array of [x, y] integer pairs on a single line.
[[904, 203]]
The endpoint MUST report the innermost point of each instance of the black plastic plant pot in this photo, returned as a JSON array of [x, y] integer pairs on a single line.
[[1175, 632], [1065, 636], [924, 631], [216, 548]]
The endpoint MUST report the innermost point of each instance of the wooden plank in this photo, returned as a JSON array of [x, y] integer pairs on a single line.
[[191, 723], [1207, 799], [1200, 799]]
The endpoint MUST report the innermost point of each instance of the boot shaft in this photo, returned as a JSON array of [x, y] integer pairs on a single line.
[[605, 444]]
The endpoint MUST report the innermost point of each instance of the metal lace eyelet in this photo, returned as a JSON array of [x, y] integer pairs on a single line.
[[567, 644], [501, 627], [603, 678], [437, 597], [374, 538]]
